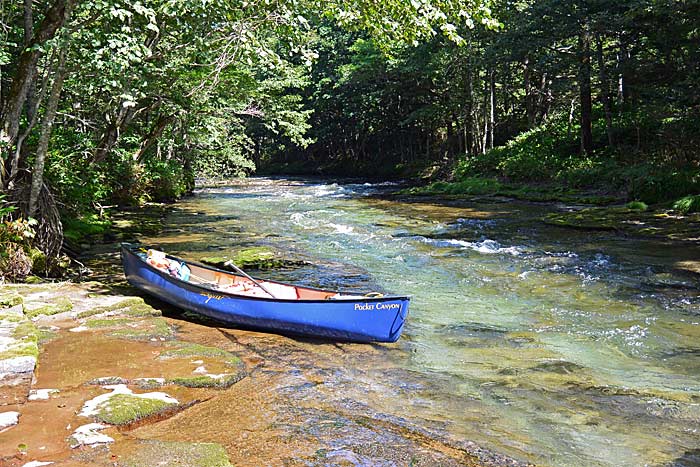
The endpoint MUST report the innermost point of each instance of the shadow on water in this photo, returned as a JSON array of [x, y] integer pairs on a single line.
[[688, 459]]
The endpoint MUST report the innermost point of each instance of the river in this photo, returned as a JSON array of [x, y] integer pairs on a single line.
[[552, 346]]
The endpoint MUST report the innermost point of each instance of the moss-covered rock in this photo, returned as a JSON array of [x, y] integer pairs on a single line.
[[25, 338], [149, 383], [22, 349], [260, 258], [142, 310], [60, 305], [10, 300], [107, 380], [209, 381], [148, 329], [649, 223], [128, 304], [39, 261], [34, 280], [107, 323], [123, 409], [188, 349], [472, 187], [154, 452]]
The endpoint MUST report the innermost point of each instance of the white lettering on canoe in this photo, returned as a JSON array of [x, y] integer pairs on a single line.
[[379, 306]]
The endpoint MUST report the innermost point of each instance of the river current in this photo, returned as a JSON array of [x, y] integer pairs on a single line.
[[548, 345]]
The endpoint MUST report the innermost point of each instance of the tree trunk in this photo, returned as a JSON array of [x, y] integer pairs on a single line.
[[492, 106], [571, 118], [28, 33], [605, 89], [45, 135], [25, 73], [623, 57], [584, 82], [158, 127], [112, 132], [468, 115], [14, 166], [529, 97]]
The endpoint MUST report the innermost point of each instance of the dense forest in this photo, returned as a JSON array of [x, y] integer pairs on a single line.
[[108, 102]]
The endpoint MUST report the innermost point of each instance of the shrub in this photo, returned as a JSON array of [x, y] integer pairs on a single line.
[[167, 180], [654, 184], [15, 248], [637, 206], [687, 204]]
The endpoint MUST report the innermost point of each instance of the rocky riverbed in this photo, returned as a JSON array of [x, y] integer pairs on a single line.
[[93, 375]]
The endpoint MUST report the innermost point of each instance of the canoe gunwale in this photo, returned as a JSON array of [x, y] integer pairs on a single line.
[[127, 248]]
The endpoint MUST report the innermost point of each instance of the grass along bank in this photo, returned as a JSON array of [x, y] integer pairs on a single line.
[[659, 196]]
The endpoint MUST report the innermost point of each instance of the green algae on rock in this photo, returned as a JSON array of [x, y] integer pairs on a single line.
[[189, 349], [10, 300], [253, 258], [22, 335], [107, 323], [149, 329], [209, 381], [658, 224], [154, 452], [134, 306], [122, 406], [59, 305], [123, 409]]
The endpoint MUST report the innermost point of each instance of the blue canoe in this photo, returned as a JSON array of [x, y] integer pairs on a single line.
[[279, 307]]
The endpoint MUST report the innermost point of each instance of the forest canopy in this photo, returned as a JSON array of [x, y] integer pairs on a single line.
[[108, 102]]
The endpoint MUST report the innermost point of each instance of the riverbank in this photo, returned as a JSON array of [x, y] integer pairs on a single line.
[[95, 374], [120, 380], [577, 209]]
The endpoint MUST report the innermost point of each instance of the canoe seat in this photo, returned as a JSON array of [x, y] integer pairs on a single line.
[[286, 292]]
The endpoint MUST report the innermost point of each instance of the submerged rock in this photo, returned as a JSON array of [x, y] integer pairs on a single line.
[[122, 406], [154, 452], [149, 383]]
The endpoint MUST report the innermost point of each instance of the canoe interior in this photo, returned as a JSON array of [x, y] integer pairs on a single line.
[[239, 285], [235, 284]]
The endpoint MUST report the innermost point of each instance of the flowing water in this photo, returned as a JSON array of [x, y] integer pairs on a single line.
[[553, 346]]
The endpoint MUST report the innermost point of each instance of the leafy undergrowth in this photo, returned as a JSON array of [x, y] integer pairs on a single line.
[[478, 186], [546, 164], [687, 204], [81, 228]]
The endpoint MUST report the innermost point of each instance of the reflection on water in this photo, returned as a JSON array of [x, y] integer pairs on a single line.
[[553, 346]]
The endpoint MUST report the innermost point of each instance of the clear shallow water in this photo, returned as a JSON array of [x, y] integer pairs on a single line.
[[553, 346]]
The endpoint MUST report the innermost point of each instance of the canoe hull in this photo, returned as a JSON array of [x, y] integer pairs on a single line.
[[361, 320]]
